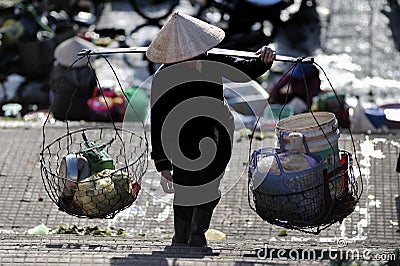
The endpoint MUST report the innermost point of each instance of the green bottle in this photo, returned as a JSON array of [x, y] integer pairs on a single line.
[[97, 157]]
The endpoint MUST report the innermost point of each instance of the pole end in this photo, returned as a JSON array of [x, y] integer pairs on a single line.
[[306, 60], [84, 52]]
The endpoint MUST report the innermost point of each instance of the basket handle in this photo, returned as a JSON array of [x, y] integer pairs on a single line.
[[286, 133], [254, 160], [257, 152], [255, 163]]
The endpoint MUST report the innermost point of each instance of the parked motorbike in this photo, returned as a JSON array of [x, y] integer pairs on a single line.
[[236, 16], [154, 10], [82, 12], [243, 32], [29, 33]]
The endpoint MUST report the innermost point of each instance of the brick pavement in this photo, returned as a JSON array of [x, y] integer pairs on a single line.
[[373, 225], [149, 225]]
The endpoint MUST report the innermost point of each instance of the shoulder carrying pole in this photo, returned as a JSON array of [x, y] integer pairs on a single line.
[[245, 54]]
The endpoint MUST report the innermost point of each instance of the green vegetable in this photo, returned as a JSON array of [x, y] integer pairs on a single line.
[[282, 233]]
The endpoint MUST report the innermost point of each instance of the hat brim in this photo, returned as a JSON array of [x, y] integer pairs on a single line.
[[181, 38]]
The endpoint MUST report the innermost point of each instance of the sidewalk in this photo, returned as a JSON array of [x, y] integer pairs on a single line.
[[351, 27], [374, 225]]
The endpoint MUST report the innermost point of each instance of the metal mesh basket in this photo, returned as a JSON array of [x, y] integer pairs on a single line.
[[105, 193], [295, 197], [313, 200], [341, 191]]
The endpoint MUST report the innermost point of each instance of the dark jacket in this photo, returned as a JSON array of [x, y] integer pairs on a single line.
[[191, 98]]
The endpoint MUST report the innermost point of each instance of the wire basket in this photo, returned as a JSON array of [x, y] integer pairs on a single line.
[[312, 201], [317, 202], [341, 190], [109, 186], [287, 196]]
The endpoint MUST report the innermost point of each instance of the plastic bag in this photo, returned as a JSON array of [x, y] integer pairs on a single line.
[[106, 105]]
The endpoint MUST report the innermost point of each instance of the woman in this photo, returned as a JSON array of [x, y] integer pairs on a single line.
[[191, 127]]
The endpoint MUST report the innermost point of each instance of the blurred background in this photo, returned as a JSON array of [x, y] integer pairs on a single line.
[[355, 55]]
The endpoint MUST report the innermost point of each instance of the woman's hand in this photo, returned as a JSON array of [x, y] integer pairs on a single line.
[[266, 54], [166, 181]]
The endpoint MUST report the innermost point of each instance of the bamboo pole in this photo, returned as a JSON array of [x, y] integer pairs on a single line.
[[245, 54]]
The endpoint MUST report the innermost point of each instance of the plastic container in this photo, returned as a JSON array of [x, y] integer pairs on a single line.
[[288, 186], [97, 156], [136, 106], [322, 140], [73, 168], [376, 116]]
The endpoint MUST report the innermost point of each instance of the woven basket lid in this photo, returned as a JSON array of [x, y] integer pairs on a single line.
[[183, 37]]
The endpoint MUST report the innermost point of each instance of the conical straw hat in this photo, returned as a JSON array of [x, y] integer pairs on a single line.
[[183, 37]]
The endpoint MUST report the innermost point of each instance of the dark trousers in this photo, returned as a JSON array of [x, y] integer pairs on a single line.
[[197, 190], [191, 222], [185, 213]]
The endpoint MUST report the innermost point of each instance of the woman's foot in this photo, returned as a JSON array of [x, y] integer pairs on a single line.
[[179, 242], [198, 240]]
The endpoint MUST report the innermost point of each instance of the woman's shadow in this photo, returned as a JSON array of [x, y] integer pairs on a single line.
[[168, 256]]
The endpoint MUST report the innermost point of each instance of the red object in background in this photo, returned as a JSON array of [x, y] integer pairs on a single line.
[[106, 105], [302, 82]]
